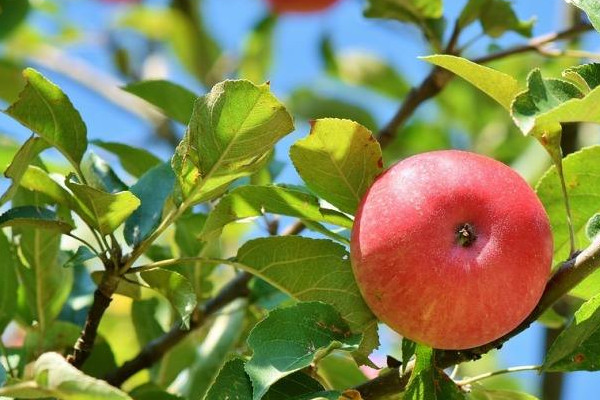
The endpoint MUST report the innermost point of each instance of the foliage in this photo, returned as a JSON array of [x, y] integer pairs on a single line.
[[88, 219]]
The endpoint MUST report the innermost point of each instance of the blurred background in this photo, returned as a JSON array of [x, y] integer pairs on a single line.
[[333, 63]]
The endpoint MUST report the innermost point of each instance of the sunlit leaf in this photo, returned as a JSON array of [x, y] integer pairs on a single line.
[[48, 112], [251, 201], [104, 211], [55, 377], [231, 134], [22, 159], [584, 192], [339, 161], [174, 100], [498, 85]]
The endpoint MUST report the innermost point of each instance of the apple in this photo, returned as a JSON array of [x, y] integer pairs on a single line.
[[302, 6], [451, 249]]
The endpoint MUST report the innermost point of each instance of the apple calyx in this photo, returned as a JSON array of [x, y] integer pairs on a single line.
[[465, 234]]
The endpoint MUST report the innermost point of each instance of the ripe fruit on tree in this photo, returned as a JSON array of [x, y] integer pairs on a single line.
[[451, 249], [304, 6]]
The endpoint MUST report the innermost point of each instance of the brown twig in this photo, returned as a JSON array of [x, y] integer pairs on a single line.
[[102, 299], [438, 78]]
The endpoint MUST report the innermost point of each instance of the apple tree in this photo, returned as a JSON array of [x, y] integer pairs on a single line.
[[208, 273]]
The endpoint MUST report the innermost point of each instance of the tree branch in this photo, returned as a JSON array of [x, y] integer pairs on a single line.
[[157, 348], [438, 78], [569, 274], [102, 299]]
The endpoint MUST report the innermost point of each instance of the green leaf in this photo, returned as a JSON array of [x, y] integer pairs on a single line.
[[292, 338], [143, 316], [252, 201], [135, 161], [12, 14], [339, 161], [367, 71], [307, 104], [580, 168], [212, 353], [232, 382], [340, 371], [176, 288], [576, 348], [36, 217], [257, 53], [591, 8], [8, 284], [130, 287], [46, 284], [2, 375], [11, 79], [151, 391], [544, 102], [231, 134], [498, 85], [82, 255], [103, 211], [100, 175], [48, 112], [174, 100], [552, 319], [498, 17], [17, 168], [427, 14], [187, 230], [38, 180], [587, 76], [153, 189], [592, 227], [408, 351], [479, 393], [428, 382], [310, 270], [55, 377], [404, 10]]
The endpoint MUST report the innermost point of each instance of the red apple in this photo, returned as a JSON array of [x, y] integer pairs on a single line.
[[303, 6], [451, 249]]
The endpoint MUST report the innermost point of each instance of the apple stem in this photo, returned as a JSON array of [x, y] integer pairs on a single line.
[[499, 372], [465, 234]]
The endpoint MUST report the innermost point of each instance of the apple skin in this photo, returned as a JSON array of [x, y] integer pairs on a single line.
[[300, 6], [416, 276]]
